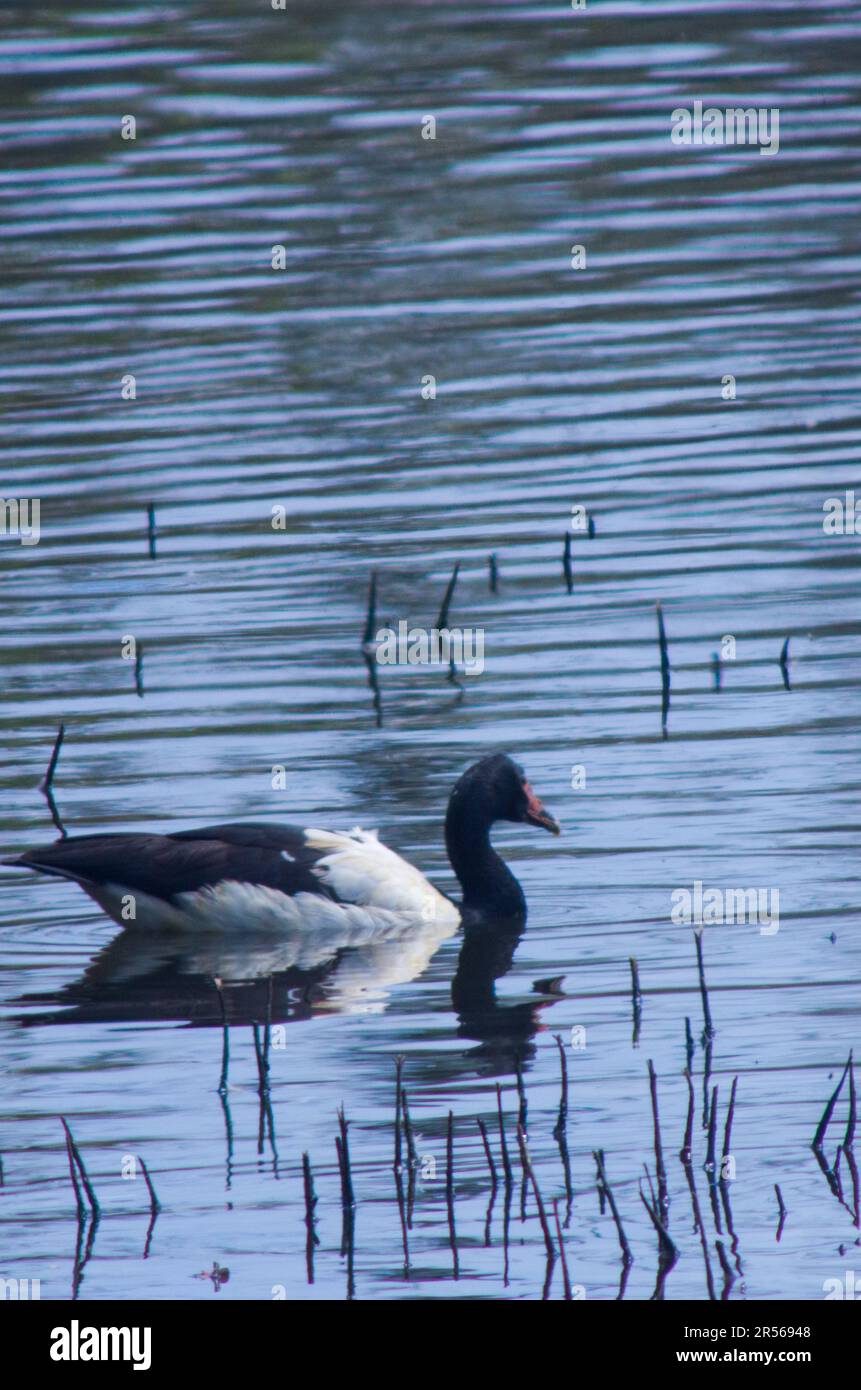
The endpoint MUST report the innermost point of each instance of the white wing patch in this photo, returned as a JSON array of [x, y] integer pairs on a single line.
[[361, 870]]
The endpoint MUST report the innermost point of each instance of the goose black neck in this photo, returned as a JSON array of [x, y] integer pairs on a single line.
[[490, 889]]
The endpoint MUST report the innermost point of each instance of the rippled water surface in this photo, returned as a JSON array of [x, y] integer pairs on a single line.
[[302, 388]]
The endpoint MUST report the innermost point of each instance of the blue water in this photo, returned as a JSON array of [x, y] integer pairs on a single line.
[[302, 388]]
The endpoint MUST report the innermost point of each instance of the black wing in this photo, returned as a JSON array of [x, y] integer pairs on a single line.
[[274, 856]]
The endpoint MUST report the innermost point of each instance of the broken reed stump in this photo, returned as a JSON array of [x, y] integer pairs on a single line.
[[727, 1134], [506, 1160], [77, 1162], [606, 1193], [154, 1209], [847, 1148], [660, 1169], [46, 786], [442, 620], [665, 668], [342, 1148]]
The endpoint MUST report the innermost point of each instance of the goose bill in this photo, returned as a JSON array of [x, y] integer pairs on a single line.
[[537, 815]]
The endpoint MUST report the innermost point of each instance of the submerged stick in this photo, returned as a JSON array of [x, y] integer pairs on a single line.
[[566, 1282], [449, 1193], [47, 781], [690, 1045], [371, 617], [559, 1128], [262, 1058], [488, 1153], [442, 620], [710, 1164], [374, 685], [154, 1203], [567, 565], [662, 643], [493, 573], [530, 1174], [819, 1137], [687, 1143], [46, 786], [225, 1044], [667, 1248], [369, 651], [563, 1088], [849, 1141], [152, 530], [412, 1155], [699, 1225], [782, 1211], [311, 1237], [726, 1268], [521, 1091], [73, 1174], [727, 1134], [636, 1000], [704, 994], [399, 1066]]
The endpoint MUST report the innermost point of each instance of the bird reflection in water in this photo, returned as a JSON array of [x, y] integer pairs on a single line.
[[161, 977]]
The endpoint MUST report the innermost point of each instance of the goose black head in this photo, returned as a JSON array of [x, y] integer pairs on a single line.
[[496, 789]]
